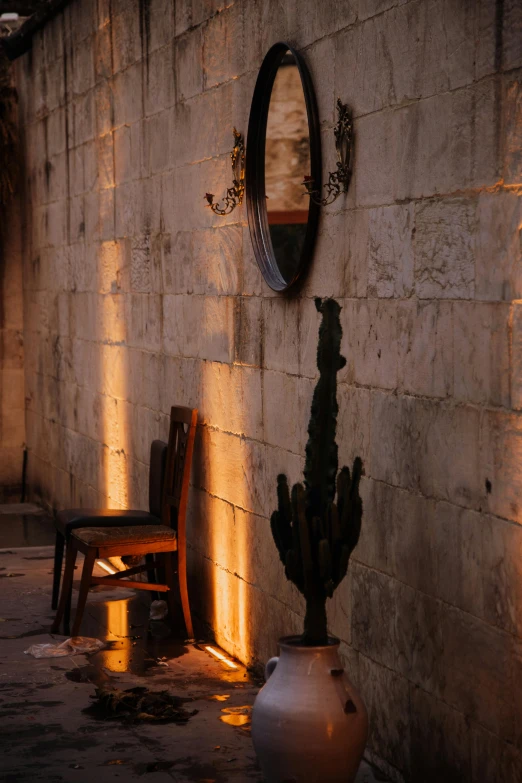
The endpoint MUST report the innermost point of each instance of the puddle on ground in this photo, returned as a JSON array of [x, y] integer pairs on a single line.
[[240, 717], [130, 651], [219, 697], [39, 557], [6, 576]]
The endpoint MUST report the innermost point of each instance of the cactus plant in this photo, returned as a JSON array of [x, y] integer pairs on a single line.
[[315, 532]]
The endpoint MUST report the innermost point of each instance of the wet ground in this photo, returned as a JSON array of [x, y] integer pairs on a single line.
[[52, 726]]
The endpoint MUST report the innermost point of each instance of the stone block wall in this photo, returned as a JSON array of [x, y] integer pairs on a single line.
[[12, 403], [137, 297]]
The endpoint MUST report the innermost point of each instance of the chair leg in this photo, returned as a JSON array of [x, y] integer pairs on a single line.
[[169, 581], [67, 613], [151, 575], [88, 565], [183, 588], [57, 573], [70, 560]]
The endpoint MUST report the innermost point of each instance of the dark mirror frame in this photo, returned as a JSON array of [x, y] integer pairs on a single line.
[[255, 167]]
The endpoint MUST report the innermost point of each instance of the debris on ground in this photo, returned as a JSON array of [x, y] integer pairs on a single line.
[[77, 645], [139, 705], [158, 610]]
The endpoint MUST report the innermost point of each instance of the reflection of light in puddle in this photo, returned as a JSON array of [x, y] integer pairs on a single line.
[[118, 626], [221, 657], [237, 716], [219, 697]]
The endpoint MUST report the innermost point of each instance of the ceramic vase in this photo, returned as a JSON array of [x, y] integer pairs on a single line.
[[309, 724]]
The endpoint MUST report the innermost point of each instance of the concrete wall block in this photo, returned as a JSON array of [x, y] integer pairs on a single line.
[[281, 325], [501, 453], [155, 147], [84, 118], [423, 445], [493, 759], [386, 696], [375, 154], [309, 320], [249, 332], [127, 96], [439, 751], [253, 283], [102, 53], [233, 469], [426, 348], [482, 371], [512, 160], [290, 399], [127, 35], [443, 249], [353, 425], [56, 132], [104, 105], [477, 661], [188, 63], [159, 24], [223, 33], [144, 321], [123, 164], [410, 52], [83, 73], [231, 399], [434, 145], [511, 35], [200, 327], [498, 246], [182, 383], [502, 544], [140, 264], [369, 343], [408, 640], [390, 253], [340, 257], [158, 81], [217, 256], [176, 258]]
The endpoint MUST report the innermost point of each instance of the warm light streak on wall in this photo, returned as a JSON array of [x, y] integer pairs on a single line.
[[113, 377], [228, 544], [221, 657]]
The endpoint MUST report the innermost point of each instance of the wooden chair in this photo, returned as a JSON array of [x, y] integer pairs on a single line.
[[70, 519], [161, 540]]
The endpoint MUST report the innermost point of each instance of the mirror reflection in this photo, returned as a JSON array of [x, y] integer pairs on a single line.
[[287, 162]]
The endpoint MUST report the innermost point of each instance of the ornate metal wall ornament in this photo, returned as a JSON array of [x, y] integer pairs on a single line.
[[234, 196], [338, 181]]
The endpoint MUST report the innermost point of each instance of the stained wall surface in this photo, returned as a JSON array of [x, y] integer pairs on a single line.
[[12, 403], [137, 297]]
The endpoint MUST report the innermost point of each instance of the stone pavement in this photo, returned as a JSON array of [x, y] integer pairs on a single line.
[[48, 732]]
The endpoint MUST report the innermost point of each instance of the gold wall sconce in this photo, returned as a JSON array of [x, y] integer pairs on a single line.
[[234, 196], [338, 181]]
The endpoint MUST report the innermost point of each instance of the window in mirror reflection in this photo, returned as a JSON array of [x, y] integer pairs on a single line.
[[287, 162]]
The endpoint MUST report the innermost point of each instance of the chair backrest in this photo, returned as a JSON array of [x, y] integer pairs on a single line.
[[182, 433], [158, 464]]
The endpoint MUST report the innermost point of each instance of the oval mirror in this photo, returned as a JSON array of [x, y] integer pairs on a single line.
[[283, 147]]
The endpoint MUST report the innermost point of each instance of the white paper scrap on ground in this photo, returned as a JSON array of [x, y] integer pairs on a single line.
[[77, 645]]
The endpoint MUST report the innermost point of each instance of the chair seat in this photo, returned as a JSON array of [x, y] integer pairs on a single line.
[[110, 536], [71, 519]]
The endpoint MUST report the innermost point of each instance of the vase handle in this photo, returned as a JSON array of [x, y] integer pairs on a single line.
[[269, 668]]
